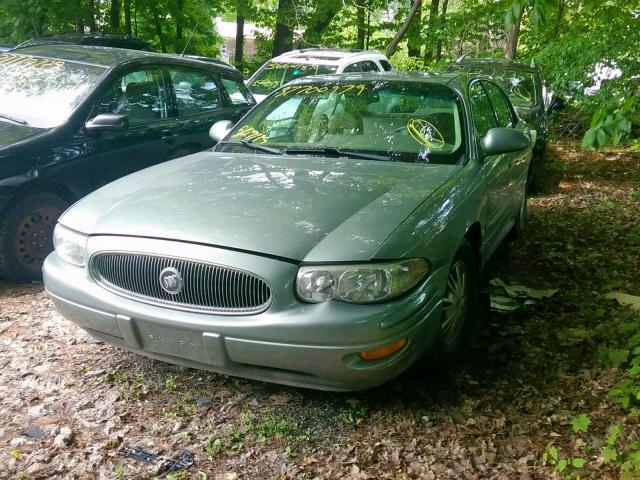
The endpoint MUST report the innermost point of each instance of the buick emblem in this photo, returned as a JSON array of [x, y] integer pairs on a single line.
[[171, 281]]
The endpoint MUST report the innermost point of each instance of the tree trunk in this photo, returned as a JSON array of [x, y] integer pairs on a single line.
[[556, 29], [91, 15], [239, 53], [360, 22], [433, 15], [414, 42], [114, 15], [283, 38], [158, 26], [127, 17], [179, 44], [403, 29], [319, 21], [79, 17], [513, 33], [443, 19]]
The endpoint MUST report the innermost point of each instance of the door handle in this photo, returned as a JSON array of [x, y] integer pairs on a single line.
[[169, 138]]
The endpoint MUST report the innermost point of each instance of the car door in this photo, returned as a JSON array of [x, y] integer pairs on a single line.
[[518, 160], [141, 95], [198, 103], [495, 169]]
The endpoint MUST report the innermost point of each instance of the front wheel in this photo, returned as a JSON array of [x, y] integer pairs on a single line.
[[458, 304], [26, 235]]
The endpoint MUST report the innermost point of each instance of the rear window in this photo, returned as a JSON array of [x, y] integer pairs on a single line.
[[386, 65], [520, 87], [43, 92], [275, 74]]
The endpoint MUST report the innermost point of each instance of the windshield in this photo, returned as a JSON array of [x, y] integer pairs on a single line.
[[42, 92], [277, 74], [389, 120]]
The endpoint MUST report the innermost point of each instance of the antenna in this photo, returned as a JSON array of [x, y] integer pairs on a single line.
[[189, 40]]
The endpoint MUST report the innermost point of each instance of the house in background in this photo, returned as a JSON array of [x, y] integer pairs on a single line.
[[227, 30]]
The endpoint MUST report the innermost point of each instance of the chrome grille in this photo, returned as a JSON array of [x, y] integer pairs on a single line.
[[206, 287]]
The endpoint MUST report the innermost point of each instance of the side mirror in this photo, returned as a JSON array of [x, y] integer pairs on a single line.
[[556, 103], [220, 129], [106, 122], [504, 140]]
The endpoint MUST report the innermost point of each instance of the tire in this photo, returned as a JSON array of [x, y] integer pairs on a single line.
[[521, 216], [26, 235], [533, 177], [458, 309]]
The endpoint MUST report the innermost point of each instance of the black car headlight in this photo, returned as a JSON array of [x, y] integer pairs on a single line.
[[359, 283]]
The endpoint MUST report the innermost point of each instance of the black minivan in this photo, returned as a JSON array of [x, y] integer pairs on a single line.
[[73, 118]]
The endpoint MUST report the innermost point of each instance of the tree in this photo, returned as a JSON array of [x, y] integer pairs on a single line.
[[114, 15], [319, 21], [414, 40], [240, 12], [403, 29], [283, 37]]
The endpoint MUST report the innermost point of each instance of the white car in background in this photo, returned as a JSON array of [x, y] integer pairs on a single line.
[[313, 61]]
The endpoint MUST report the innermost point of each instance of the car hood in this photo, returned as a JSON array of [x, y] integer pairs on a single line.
[[11, 133], [295, 207]]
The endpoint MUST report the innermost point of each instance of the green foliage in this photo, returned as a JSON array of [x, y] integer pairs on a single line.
[[580, 423]]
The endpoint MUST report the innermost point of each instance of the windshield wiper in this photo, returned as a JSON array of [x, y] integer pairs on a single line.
[[14, 119], [339, 152], [254, 146]]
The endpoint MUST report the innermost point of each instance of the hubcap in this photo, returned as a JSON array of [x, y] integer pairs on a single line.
[[455, 303], [34, 237]]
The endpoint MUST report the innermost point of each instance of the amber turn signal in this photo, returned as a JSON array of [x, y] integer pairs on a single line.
[[383, 351]]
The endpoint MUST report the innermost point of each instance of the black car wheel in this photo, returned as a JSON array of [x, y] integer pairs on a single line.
[[26, 235]]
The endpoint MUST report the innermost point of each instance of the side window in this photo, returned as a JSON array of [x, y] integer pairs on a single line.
[[354, 67], [238, 93], [484, 118], [368, 66], [195, 92], [140, 95], [386, 65], [500, 104]]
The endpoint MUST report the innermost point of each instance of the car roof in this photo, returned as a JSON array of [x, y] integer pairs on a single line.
[[492, 63], [393, 76], [326, 55], [109, 57]]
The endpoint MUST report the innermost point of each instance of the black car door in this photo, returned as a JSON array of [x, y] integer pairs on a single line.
[[202, 98], [141, 94]]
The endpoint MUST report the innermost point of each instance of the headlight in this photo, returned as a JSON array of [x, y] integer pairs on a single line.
[[364, 283], [70, 245]]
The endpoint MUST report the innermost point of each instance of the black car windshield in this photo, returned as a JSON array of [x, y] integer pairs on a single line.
[[276, 74], [42, 92], [387, 120]]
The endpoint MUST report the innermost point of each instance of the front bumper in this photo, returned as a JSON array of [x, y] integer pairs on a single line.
[[293, 343]]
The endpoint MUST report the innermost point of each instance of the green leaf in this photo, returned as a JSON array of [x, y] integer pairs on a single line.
[[617, 357], [609, 454], [580, 423], [578, 462], [589, 138], [562, 465]]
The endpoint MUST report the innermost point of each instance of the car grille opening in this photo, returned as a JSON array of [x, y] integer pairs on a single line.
[[199, 286]]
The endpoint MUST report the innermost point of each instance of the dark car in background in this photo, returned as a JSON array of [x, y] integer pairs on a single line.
[[73, 118], [525, 87]]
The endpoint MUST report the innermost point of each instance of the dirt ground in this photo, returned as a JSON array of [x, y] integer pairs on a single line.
[[69, 405]]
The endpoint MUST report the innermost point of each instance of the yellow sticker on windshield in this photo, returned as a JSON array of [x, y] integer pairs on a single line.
[[250, 134], [356, 89], [425, 133], [14, 61]]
